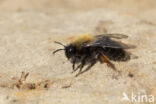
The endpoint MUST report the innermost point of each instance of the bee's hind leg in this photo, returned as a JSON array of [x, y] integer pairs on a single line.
[[106, 60]]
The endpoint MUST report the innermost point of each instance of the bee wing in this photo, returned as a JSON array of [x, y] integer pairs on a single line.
[[112, 35], [107, 42]]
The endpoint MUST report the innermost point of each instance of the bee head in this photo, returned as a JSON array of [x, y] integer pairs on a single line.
[[70, 50]]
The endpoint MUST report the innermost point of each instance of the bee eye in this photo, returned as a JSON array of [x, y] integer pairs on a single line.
[[70, 51]]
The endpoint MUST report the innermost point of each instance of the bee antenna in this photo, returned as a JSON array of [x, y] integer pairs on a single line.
[[57, 50], [59, 43]]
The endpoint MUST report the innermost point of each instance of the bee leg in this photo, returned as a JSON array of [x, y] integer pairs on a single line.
[[106, 60], [73, 68], [81, 67], [81, 72], [73, 65], [83, 63], [76, 68]]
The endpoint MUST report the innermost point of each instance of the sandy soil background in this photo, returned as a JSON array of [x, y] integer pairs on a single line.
[[28, 29]]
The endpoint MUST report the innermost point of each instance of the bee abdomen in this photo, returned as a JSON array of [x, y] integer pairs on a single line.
[[116, 54]]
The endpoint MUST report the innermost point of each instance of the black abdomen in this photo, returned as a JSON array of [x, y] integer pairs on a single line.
[[116, 54]]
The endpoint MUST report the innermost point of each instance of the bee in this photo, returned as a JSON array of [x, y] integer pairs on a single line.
[[88, 50]]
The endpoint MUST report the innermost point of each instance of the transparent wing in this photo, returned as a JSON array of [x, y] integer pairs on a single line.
[[108, 42], [112, 35]]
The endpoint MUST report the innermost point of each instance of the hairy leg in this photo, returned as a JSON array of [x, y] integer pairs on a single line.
[[106, 60]]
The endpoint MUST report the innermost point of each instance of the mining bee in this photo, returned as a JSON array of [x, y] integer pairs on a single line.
[[88, 50]]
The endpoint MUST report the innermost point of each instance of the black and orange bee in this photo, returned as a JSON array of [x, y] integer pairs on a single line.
[[88, 50]]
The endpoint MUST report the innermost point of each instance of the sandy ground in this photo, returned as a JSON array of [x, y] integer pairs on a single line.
[[28, 29]]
